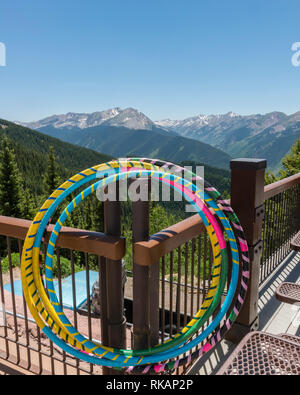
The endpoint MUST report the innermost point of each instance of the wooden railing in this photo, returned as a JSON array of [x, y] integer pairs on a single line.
[[111, 247], [171, 272], [268, 243], [281, 222], [280, 186], [21, 341]]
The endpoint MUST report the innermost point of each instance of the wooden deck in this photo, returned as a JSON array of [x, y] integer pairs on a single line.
[[277, 317], [274, 317]]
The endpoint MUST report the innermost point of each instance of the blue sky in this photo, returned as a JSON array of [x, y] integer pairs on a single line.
[[168, 58]]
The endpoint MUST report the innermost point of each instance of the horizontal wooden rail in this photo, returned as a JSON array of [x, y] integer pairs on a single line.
[[148, 252], [111, 247], [280, 186]]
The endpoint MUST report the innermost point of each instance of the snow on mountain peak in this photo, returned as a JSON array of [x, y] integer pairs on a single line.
[[129, 117]]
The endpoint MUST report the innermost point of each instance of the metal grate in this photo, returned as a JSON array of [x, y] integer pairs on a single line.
[[292, 338], [263, 354], [288, 293]]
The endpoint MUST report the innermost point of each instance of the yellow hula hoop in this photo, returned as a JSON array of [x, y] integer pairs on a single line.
[[40, 306]]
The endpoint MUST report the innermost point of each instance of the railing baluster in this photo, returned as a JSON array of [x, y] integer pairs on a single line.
[[171, 296], [163, 290], [74, 301], [39, 350], [11, 276], [186, 270], [199, 271], [178, 290], [25, 317], [3, 312], [88, 299], [60, 295], [192, 276]]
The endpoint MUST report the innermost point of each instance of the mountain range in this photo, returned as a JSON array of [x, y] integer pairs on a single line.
[[122, 132], [32, 147], [129, 118], [268, 136]]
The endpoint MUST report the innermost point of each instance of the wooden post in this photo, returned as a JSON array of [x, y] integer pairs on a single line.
[[145, 284], [247, 200], [113, 322]]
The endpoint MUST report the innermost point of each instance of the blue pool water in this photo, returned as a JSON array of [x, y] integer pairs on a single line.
[[67, 289]]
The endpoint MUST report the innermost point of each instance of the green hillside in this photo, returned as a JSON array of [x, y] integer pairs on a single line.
[[31, 149], [268, 136], [122, 142], [267, 145]]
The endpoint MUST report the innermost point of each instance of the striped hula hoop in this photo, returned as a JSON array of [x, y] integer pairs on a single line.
[[49, 315]]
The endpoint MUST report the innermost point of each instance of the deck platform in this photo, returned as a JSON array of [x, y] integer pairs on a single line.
[[275, 317]]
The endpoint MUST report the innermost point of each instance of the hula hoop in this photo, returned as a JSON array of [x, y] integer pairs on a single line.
[[51, 241], [210, 295], [33, 242], [232, 217]]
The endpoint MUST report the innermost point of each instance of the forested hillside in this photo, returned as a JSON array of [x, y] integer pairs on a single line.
[[31, 149], [122, 141]]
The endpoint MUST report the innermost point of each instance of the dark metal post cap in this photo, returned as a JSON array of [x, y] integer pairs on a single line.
[[248, 164]]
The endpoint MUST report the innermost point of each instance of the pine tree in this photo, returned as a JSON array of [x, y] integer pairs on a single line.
[[51, 178], [98, 214], [28, 209], [269, 178], [88, 214], [11, 192], [291, 162], [77, 215]]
